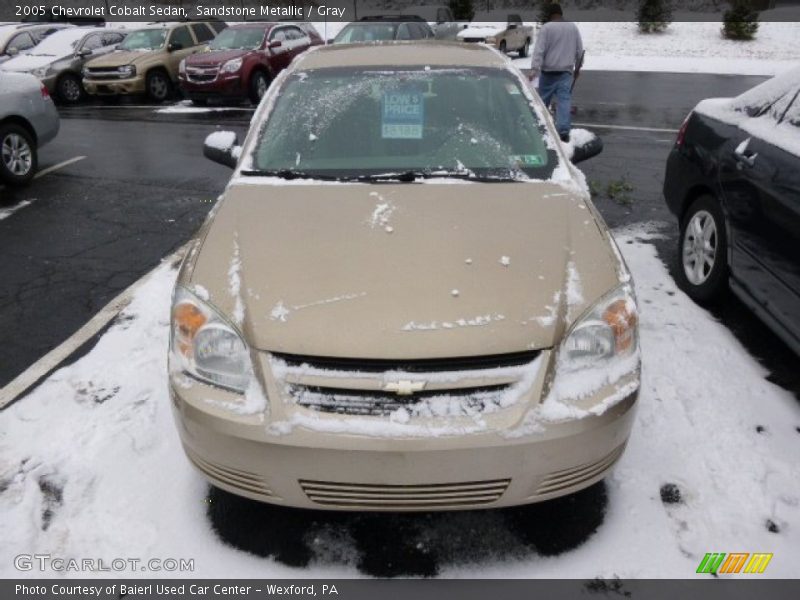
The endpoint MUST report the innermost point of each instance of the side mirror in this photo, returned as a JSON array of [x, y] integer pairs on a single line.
[[13, 51], [275, 44], [83, 53], [173, 46], [584, 145], [223, 147]]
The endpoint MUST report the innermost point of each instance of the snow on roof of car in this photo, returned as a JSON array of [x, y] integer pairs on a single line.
[[399, 54], [62, 42]]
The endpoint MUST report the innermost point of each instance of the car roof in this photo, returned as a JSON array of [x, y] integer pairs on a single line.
[[401, 54]]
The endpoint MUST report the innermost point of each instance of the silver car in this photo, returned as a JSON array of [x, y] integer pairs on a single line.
[[28, 120], [20, 38]]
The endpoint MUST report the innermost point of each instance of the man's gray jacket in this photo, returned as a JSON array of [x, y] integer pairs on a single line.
[[558, 47]]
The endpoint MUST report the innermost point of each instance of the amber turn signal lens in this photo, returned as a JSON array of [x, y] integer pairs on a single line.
[[188, 319], [621, 317]]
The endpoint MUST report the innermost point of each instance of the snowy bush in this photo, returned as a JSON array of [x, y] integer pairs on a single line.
[[740, 21], [654, 15]]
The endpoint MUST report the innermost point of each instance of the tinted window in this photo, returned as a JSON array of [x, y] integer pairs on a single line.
[[92, 42], [109, 39], [348, 122], [182, 36], [203, 33], [403, 32]]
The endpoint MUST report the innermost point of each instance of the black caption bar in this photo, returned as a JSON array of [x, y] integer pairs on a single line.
[[351, 10], [707, 588]]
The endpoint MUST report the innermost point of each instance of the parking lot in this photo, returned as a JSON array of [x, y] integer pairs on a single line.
[[124, 187]]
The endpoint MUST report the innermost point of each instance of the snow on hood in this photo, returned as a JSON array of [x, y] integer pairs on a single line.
[[28, 62], [62, 42]]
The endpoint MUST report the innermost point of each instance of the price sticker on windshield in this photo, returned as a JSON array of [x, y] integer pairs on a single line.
[[402, 115]]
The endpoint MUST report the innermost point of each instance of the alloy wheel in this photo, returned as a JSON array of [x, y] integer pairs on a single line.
[[70, 90], [16, 154], [699, 252]]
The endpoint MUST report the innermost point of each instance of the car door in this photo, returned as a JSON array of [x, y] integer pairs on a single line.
[[181, 44], [760, 180], [279, 47], [297, 40]]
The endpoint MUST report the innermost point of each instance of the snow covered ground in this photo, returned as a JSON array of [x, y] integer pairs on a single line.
[[687, 48], [91, 465]]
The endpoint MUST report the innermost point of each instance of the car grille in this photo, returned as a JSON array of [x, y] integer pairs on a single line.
[[236, 478], [400, 497], [426, 387], [201, 74], [567, 478], [474, 40], [104, 73]]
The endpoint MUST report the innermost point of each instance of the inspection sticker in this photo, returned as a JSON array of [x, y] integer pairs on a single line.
[[402, 115]]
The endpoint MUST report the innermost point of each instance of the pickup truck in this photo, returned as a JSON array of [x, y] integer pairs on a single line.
[[511, 36]]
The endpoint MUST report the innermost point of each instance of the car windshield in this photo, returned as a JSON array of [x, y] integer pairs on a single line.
[[349, 123], [59, 43], [144, 39], [244, 38], [366, 32]]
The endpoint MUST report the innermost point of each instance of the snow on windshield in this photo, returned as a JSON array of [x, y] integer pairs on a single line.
[[60, 43], [144, 40]]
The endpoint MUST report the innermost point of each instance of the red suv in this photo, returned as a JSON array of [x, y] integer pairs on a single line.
[[243, 59]]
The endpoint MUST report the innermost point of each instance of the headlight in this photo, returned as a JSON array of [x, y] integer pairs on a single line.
[[204, 345], [182, 66], [609, 330], [127, 70], [232, 66]]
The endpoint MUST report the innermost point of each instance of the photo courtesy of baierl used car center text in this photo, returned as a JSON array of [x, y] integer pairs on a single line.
[[399, 298]]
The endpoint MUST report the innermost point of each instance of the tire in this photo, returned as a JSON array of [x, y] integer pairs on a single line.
[[703, 251], [523, 52], [18, 156], [259, 83], [503, 47], [158, 86], [69, 89]]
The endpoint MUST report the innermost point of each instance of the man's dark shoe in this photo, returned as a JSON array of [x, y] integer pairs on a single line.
[[564, 137]]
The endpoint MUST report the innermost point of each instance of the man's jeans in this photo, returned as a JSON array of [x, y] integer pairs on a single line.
[[558, 85]]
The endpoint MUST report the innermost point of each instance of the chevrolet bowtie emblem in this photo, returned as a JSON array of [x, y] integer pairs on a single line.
[[404, 387]]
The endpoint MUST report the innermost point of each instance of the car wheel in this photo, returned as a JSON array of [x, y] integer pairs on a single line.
[[259, 84], [18, 160], [523, 52], [703, 251], [159, 86], [503, 47], [69, 89]]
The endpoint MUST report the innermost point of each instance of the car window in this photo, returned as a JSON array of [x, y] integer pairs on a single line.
[[372, 32], [349, 122], [218, 26], [403, 32], [92, 42], [144, 39], [181, 35], [295, 33], [203, 32], [278, 35], [238, 38], [21, 41], [109, 39]]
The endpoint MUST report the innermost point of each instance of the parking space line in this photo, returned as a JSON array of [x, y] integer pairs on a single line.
[[626, 127], [58, 166], [25, 380]]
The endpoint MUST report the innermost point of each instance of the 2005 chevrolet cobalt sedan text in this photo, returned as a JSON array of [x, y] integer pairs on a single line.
[[405, 299]]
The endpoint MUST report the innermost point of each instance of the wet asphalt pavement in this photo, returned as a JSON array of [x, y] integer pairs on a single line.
[[96, 226]]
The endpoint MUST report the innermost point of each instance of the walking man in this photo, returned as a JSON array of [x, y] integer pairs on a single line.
[[557, 54]]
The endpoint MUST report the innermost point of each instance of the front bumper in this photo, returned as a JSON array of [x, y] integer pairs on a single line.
[[333, 466], [231, 86], [114, 87]]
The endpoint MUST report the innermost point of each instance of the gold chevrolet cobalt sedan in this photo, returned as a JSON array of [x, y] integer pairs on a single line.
[[405, 299]]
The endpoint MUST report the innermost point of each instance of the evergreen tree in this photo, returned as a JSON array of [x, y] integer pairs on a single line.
[[463, 10], [740, 21], [654, 15]]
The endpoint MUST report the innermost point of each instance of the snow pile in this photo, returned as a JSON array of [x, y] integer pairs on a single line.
[[91, 463], [221, 140]]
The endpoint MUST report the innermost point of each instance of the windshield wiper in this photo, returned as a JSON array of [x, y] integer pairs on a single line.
[[287, 174]]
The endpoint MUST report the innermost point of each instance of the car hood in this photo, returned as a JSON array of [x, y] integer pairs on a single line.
[[403, 270], [119, 58], [28, 62], [213, 58]]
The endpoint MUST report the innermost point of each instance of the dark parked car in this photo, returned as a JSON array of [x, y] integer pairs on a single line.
[[733, 181], [242, 60], [385, 28]]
